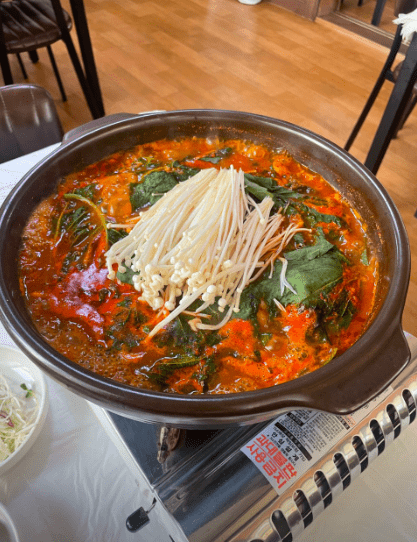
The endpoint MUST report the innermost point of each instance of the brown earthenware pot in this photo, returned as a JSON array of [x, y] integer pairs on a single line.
[[343, 385]]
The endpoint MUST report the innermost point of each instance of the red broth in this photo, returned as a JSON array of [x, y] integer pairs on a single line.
[[104, 325]]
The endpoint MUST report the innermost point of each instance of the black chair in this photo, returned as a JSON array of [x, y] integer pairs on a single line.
[[28, 120], [377, 14], [403, 97], [28, 25]]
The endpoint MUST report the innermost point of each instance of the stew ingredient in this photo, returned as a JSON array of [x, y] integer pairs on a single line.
[[303, 289]]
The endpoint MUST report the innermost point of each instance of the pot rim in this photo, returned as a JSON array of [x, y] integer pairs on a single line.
[[243, 405]]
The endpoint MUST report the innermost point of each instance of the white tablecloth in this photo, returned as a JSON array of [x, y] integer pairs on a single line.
[[73, 486]]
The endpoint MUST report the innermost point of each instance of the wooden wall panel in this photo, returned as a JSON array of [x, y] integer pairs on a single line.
[[305, 8], [326, 7], [308, 8]]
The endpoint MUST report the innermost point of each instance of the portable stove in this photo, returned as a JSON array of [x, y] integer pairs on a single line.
[[259, 483]]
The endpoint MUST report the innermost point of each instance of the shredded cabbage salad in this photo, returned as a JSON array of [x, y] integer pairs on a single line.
[[18, 413]]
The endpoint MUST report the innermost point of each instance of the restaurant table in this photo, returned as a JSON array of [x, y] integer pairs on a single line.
[[74, 484]]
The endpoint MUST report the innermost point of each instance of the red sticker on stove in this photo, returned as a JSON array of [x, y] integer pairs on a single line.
[[288, 446]]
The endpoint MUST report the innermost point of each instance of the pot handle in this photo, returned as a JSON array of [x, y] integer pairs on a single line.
[[95, 124], [358, 387]]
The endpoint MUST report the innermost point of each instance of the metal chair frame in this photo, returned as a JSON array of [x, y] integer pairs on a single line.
[[95, 106]]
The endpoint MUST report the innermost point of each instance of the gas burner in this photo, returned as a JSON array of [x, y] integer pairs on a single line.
[[258, 483], [168, 440]]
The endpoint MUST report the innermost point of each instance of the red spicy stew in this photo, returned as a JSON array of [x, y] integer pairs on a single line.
[[290, 321]]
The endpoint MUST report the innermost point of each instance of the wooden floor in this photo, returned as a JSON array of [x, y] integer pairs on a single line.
[[186, 54]]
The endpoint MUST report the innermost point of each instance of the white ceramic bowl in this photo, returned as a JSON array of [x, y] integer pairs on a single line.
[[8, 532], [18, 369]]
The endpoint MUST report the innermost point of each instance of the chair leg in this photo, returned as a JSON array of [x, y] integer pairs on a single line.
[[88, 94], [4, 61], [85, 86], [379, 8], [380, 81], [409, 108], [22, 66], [56, 72], [87, 55], [33, 55], [397, 104], [6, 72]]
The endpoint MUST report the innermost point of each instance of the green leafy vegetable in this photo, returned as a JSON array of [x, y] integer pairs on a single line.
[[165, 367], [322, 246], [114, 235], [179, 333], [78, 224], [29, 391], [298, 238], [82, 220], [310, 279], [70, 258], [182, 172], [87, 191], [270, 184], [262, 187], [364, 257], [77, 227], [337, 314], [125, 302], [313, 217], [180, 362], [151, 189], [128, 340], [249, 302], [257, 190], [144, 163], [215, 158], [126, 276], [117, 331], [265, 338], [312, 272], [87, 203], [207, 370]]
